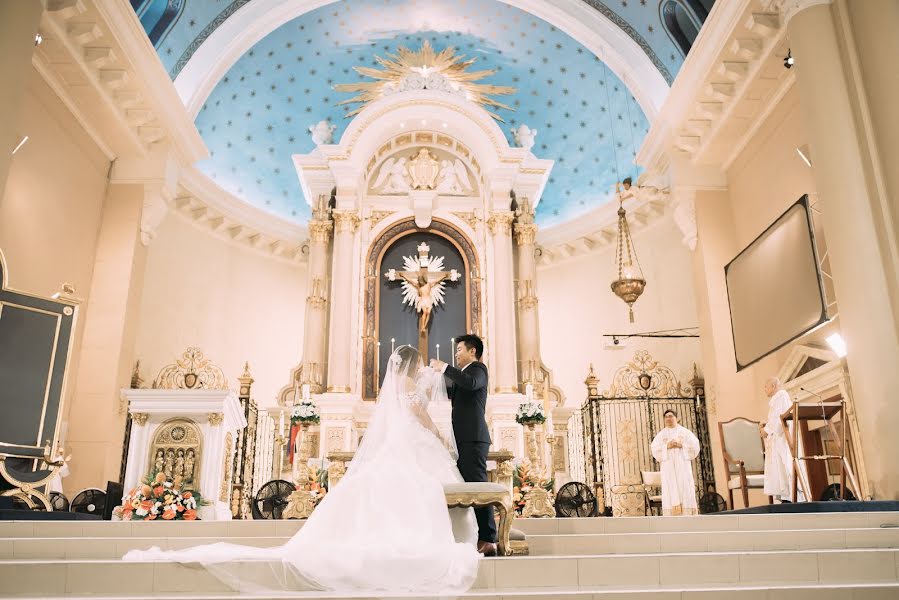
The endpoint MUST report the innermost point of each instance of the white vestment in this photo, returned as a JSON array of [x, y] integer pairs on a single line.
[[778, 458], [678, 486]]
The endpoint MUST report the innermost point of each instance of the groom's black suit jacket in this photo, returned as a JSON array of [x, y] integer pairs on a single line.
[[468, 392]]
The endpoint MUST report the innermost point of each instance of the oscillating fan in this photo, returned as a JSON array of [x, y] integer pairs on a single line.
[[711, 503], [91, 501], [832, 492], [575, 500], [272, 498], [59, 502]]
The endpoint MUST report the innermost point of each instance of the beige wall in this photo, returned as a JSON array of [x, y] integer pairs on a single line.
[[577, 307], [51, 209], [235, 303]]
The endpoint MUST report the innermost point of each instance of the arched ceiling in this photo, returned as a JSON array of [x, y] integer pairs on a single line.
[[258, 114]]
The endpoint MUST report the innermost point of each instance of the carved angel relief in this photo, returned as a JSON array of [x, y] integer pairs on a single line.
[[423, 172]]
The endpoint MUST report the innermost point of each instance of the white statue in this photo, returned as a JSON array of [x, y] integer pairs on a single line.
[[322, 132], [453, 179], [525, 136], [393, 177]]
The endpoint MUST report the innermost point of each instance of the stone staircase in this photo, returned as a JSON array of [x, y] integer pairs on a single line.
[[795, 556]]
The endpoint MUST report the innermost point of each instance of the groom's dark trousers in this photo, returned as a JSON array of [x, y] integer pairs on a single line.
[[468, 392]]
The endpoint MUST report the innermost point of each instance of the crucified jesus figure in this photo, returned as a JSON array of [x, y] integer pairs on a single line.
[[423, 288]]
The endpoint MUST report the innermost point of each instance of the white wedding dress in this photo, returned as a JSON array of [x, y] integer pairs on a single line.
[[385, 527]]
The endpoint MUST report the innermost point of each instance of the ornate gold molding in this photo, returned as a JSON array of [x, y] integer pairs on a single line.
[[525, 233], [215, 419], [500, 222], [320, 231], [469, 217], [644, 377], [191, 371], [346, 221], [140, 418], [377, 216]]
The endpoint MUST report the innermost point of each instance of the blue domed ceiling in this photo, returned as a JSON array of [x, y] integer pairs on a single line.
[[259, 113]]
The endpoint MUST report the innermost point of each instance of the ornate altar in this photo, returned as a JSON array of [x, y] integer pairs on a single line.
[[619, 425], [189, 426]]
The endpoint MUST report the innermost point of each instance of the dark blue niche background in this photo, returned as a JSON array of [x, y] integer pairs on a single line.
[[400, 321]]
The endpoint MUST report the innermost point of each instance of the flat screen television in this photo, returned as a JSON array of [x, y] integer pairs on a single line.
[[774, 287]]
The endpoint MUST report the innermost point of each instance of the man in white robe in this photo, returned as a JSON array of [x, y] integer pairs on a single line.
[[778, 458], [675, 447]]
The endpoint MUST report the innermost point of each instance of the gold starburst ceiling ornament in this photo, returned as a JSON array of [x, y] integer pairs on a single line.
[[425, 69]]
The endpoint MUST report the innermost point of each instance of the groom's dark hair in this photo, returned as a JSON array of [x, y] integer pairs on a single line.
[[472, 341]]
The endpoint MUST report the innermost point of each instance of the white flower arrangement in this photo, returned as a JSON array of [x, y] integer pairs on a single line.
[[530, 412], [305, 412]]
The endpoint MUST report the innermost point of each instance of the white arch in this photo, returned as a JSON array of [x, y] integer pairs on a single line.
[[589, 27]]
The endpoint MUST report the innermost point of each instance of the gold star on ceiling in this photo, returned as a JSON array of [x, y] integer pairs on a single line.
[[425, 69]]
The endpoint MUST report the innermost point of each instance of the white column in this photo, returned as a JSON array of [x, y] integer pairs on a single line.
[[528, 318], [857, 246], [316, 329], [346, 223], [502, 346]]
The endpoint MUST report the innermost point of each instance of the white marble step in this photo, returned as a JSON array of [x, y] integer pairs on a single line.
[[75, 548], [550, 575], [782, 592], [599, 525]]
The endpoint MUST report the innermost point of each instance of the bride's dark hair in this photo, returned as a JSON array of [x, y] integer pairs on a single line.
[[409, 358]]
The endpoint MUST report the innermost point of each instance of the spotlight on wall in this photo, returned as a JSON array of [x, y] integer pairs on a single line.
[[20, 144], [38, 38], [788, 59], [837, 344]]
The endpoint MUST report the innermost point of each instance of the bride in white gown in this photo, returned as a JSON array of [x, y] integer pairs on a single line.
[[385, 527]]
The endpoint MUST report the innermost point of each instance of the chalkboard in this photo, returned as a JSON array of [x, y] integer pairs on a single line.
[[35, 345]]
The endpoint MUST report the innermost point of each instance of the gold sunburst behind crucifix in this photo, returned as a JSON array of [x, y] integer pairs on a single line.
[[425, 69]]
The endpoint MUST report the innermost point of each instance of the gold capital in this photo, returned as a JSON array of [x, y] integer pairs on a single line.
[[320, 231], [525, 233], [140, 418], [346, 221], [215, 418], [500, 222]]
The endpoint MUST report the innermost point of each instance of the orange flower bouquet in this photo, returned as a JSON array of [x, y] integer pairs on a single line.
[[158, 498], [523, 482]]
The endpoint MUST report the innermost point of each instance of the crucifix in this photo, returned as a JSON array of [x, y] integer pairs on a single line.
[[423, 288]]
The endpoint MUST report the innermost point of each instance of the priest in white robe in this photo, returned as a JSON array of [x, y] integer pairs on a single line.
[[675, 447], [778, 458]]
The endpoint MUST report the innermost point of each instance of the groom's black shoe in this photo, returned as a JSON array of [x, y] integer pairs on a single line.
[[486, 548]]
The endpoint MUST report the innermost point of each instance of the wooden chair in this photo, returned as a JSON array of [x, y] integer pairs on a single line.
[[744, 457], [652, 483]]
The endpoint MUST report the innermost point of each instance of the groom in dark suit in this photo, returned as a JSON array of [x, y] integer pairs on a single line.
[[468, 391]]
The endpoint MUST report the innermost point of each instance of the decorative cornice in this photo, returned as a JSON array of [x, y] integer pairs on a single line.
[[790, 8], [377, 216], [470, 217]]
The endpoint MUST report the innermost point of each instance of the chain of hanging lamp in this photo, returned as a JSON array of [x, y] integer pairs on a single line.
[[630, 284]]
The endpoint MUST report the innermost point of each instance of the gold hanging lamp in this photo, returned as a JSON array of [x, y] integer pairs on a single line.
[[630, 282]]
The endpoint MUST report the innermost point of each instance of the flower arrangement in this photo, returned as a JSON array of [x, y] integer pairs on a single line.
[[523, 482], [305, 412], [158, 498], [317, 486], [530, 412]]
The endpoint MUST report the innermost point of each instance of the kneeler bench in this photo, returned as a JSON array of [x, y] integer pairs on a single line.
[[480, 495]]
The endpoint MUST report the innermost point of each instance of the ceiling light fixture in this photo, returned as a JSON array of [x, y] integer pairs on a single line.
[[788, 59], [22, 143], [38, 38]]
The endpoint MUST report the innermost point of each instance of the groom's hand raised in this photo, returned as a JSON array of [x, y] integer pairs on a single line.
[[438, 365]]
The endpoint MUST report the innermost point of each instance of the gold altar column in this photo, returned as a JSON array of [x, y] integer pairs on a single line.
[[528, 319], [19, 22], [346, 223], [858, 247], [502, 346], [316, 328]]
